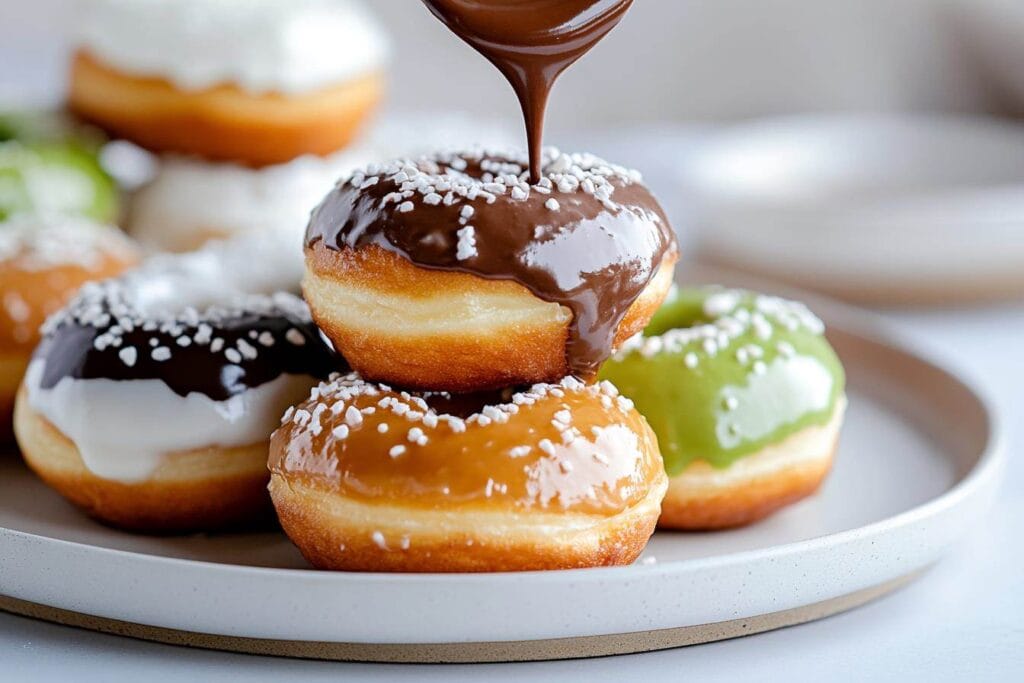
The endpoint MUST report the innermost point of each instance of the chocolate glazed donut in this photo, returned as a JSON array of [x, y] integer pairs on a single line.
[[154, 415], [588, 236]]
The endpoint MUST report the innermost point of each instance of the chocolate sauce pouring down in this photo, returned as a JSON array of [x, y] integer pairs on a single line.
[[531, 42]]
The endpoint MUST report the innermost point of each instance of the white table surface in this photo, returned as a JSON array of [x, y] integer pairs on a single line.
[[963, 620]]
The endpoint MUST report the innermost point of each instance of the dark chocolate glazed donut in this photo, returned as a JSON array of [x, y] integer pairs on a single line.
[[188, 323], [589, 235], [220, 355]]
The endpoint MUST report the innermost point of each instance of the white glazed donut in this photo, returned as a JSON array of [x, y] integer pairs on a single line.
[[258, 82], [290, 47], [151, 398], [191, 201]]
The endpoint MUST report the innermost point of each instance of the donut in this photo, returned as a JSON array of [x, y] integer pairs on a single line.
[[43, 261], [369, 478], [55, 177], [151, 398], [190, 201], [746, 397], [260, 82], [48, 125], [452, 273]]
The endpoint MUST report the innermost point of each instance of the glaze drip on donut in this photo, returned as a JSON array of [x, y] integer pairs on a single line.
[[531, 43], [589, 235]]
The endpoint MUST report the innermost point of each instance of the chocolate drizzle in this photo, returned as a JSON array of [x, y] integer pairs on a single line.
[[531, 42], [219, 356], [588, 236]]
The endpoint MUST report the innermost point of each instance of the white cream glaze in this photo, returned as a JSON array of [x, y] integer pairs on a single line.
[[222, 272], [190, 199], [261, 46], [123, 430], [42, 241], [788, 389]]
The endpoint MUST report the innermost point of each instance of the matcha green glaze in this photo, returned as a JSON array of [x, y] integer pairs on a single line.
[[49, 126], [54, 177], [719, 374], [50, 164]]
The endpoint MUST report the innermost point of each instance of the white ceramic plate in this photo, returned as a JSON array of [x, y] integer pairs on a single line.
[[875, 208], [916, 468]]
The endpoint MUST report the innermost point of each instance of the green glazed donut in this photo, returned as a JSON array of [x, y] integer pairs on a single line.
[[722, 375], [49, 126], [46, 166]]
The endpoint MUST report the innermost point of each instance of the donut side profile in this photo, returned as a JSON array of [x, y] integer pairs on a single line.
[[746, 397], [452, 272], [295, 77], [369, 478], [150, 407], [43, 261]]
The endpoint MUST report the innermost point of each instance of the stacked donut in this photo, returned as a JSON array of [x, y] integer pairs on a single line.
[[485, 318], [475, 308], [254, 106], [522, 385]]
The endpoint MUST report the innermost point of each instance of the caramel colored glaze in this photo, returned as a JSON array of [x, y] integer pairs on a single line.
[[29, 295], [531, 42], [593, 254], [606, 469]]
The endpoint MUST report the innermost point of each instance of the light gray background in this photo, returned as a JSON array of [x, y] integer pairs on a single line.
[[669, 59]]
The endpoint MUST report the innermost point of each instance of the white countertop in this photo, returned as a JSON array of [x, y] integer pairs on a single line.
[[963, 620]]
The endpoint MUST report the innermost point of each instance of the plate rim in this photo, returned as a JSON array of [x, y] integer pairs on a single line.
[[301, 606], [847, 319]]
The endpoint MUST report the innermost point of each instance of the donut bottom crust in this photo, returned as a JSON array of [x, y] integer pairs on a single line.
[[12, 369], [703, 497], [340, 533], [205, 489], [223, 123], [393, 321]]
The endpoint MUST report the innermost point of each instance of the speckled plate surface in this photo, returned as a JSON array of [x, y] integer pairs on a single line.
[[917, 465]]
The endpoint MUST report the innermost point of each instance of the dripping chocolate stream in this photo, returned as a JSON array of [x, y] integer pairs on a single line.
[[531, 42], [594, 256]]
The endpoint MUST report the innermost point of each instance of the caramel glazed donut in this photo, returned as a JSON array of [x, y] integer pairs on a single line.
[[454, 272], [294, 78], [151, 398], [43, 261], [369, 478]]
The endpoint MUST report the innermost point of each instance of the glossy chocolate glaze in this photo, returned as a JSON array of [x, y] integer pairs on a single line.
[[531, 42], [74, 348], [590, 244]]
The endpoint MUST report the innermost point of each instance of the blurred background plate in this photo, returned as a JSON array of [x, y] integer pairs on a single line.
[[917, 467], [880, 209]]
